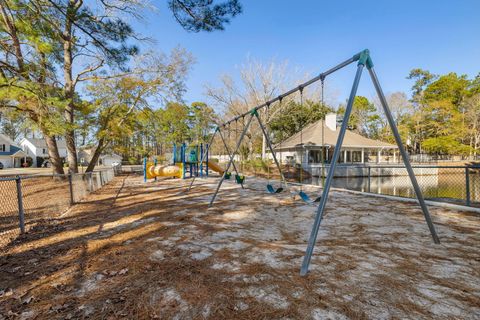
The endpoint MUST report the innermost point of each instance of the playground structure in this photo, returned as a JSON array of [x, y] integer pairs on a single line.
[[185, 164], [363, 60]]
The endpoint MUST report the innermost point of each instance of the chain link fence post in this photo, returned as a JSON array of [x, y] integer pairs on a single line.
[[70, 184], [467, 186], [90, 181], [21, 213]]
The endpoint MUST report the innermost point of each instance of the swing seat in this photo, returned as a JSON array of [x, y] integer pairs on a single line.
[[240, 179], [271, 189], [307, 199], [228, 175]]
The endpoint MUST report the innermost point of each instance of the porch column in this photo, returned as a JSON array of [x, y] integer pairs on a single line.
[[394, 156], [363, 156], [345, 156], [379, 152]]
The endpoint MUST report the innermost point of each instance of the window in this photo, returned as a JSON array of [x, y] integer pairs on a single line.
[[3, 148], [44, 151], [356, 156]]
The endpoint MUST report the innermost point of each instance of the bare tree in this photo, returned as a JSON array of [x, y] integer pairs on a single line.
[[259, 82]]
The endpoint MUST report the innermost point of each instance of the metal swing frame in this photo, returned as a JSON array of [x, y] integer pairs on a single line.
[[253, 114], [205, 153], [363, 60]]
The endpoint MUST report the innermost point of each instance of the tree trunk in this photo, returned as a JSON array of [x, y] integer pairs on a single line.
[[96, 155], [12, 30], [69, 90], [54, 155]]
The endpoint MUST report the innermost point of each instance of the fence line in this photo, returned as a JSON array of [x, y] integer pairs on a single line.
[[27, 200], [454, 184]]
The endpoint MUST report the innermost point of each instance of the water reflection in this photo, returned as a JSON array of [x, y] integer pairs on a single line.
[[443, 186]]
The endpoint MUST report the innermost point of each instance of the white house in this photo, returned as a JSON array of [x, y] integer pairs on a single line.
[[10, 153], [37, 149], [85, 155]]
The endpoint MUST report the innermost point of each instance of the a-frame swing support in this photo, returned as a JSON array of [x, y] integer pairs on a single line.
[[204, 154], [252, 113], [364, 60], [269, 143]]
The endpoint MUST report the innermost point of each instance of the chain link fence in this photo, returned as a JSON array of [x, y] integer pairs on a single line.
[[27, 200], [453, 184]]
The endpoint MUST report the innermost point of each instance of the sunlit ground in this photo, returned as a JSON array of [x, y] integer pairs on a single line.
[[136, 250]]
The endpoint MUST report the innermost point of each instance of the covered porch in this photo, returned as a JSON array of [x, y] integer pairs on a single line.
[[14, 160], [350, 155]]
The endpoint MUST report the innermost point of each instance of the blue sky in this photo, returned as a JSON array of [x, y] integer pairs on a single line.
[[440, 36]]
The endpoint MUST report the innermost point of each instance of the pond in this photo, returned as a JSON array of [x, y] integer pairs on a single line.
[[445, 187]]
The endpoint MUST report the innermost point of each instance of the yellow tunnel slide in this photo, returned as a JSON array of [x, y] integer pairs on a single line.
[[174, 170]]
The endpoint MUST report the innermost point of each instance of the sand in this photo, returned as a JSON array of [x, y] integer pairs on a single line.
[[137, 250]]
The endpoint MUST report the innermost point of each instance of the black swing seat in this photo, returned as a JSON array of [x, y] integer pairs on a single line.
[[228, 175], [307, 199], [271, 189], [240, 179]]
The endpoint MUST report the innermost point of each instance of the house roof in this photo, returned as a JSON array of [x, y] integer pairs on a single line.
[[112, 155], [15, 150], [89, 150], [311, 135], [41, 143]]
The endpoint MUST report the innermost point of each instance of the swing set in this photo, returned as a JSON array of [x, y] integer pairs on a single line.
[[363, 60]]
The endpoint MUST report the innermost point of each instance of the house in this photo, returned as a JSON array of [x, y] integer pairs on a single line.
[[85, 155], [37, 149], [11, 155], [316, 142]]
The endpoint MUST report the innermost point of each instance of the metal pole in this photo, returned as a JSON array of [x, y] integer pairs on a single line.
[[328, 182], [21, 213], [91, 181], [323, 135], [467, 186], [145, 169], [184, 163], [239, 142], [271, 149], [228, 150], [404, 155], [70, 184], [203, 156], [206, 160]]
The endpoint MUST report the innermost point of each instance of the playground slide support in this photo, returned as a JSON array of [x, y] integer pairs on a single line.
[[205, 154]]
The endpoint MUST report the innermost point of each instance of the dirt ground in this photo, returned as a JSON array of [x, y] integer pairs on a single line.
[[141, 251]]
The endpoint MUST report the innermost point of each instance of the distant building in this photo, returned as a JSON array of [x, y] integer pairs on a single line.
[[37, 149], [85, 155], [11, 155], [317, 141]]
